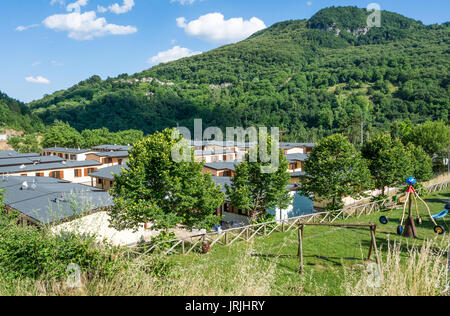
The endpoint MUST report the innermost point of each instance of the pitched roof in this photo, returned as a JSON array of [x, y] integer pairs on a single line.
[[68, 150], [50, 166], [108, 173], [48, 200], [113, 148], [8, 154], [293, 145], [222, 182], [223, 165], [297, 157], [29, 160], [112, 154]]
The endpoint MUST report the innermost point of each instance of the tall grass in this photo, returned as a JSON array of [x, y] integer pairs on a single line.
[[418, 272], [421, 272]]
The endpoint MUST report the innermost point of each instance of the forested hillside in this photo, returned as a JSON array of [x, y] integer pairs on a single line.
[[16, 115], [311, 77]]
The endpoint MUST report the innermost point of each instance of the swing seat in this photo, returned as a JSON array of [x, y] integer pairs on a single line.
[[384, 220], [439, 230], [442, 214], [400, 230], [419, 220]]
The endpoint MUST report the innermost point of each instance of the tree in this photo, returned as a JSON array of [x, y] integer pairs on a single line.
[[254, 190], [390, 163], [335, 169], [433, 137], [96, 137], [128, 137], [157, 189], [422, 163], [63, 135], [25, 143]]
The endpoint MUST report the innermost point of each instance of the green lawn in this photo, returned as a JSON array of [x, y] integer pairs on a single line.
[[276, 256]]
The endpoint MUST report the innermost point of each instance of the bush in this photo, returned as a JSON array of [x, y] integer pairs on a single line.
[[27, 252]]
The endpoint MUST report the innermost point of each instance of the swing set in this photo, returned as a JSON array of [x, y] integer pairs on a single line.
[[410, 229]]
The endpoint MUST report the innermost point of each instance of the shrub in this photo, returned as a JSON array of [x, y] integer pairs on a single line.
[[27, 252]]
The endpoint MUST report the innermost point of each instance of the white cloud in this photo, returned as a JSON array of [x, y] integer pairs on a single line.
[[22, 28], [85, 26], [76, 6], [36, 63], [309, 3], [38, 80], [60, 2], [183, 2], [57, 63], [172, 54], [214, 28], [117, 8]]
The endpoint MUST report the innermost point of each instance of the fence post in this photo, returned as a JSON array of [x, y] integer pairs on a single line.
[[300, 247]]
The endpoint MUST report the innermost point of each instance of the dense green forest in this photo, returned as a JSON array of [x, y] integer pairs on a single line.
[[16, 115], [311, 77]]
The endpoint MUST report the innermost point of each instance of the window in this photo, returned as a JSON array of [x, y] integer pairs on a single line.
[[23, 175], [39, 174], [87, 171], [78, 173], [100, 181], [57, 174]]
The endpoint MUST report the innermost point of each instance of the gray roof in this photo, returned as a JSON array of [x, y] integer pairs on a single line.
[[223, 165], [50, 166], [8, 154], [213, 152], [108, 173], [68, 150], [113, 148], [28, 161], [222, 182], [48, 200], [297, 157], [112, 154], [297, 174], [293, 145]]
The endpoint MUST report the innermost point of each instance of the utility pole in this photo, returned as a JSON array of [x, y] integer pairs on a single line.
[[362, 134]]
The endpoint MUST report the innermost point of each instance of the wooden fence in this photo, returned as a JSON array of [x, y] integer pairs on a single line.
[[204, 242]]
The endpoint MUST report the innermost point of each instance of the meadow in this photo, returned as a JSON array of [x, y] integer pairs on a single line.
[[335, 264]]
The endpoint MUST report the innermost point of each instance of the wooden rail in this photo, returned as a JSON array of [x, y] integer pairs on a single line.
[[228, 237]]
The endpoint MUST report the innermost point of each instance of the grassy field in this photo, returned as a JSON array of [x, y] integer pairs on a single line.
[[269, 266], [276, 257]]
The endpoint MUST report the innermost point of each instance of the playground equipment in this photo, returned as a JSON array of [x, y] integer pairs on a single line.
[[410, 229]]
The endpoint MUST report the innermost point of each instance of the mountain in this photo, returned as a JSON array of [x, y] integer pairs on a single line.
[[16, 115], [310, 77]]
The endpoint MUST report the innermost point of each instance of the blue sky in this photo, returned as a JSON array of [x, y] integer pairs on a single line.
[[50, 45]]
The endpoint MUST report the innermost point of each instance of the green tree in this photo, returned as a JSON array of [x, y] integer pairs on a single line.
[[25, 143], [63, 135], [422, 163], [96, 137], [255, 190], [390, 163], [433, 137], [335, 169], [157, 189]]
